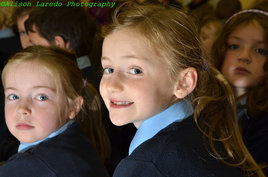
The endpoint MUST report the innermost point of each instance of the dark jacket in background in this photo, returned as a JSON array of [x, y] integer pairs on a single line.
[[255, 135], [9, 45]]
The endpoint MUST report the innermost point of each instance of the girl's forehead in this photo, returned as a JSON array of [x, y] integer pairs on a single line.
[[248, 26], [253, 22], [30, 69]]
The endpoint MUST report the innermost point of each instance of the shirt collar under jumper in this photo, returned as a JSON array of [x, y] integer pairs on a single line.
[[6, 33], [83, 62], [150, 127]]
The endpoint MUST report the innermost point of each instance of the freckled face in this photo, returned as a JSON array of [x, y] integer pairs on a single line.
[[245, 57], [135, 84], [32, 106]]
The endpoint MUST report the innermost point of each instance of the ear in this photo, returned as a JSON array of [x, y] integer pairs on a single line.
[[75, 107], [60, 42], [187, 80]]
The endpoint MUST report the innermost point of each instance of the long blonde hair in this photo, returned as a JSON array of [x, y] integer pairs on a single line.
[[61, 64], [174, 36]]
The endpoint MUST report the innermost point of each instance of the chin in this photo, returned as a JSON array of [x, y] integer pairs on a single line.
[[242, 84], [118, 122], [23, 140]]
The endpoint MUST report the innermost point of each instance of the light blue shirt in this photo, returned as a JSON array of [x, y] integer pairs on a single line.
[[153, 125], [24, 146], [83, 62], [6, 33]]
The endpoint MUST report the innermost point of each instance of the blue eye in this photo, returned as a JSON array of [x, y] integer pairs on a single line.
[[22, 33], [135, 71], [261, 51], [233, 46], [108, 70], [12, 97], [42, 97]]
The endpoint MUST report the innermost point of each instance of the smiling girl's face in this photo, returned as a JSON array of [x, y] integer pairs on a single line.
[[135, 83], [245, 57], [32, 106]]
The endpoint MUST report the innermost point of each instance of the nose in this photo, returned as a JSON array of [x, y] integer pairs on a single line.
[[24, 108], [114, 83], [245, 56], [28, 43]]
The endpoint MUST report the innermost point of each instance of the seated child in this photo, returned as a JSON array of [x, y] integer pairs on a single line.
[[240, 53], [43, 104], [210, 28], [21, 15], [154, 76], [65, 27]]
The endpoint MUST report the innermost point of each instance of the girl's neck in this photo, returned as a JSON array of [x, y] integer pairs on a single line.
[[239, 92]]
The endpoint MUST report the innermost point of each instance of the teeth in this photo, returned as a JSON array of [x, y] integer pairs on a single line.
[[121, 103]]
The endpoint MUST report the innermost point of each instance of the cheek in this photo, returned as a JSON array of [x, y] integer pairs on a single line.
[[102, 88], [10, 116], [259, 70], [260, 66], [49, 124], [227, 63], [9, 110]]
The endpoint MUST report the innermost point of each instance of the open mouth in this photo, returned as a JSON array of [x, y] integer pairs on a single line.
[[120, 103]]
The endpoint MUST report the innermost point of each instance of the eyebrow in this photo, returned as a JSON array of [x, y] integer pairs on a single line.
[[238, 38], [35, 87], [127, 57]]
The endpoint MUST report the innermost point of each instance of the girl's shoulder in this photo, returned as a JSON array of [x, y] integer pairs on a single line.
[[68, 148], [181, 146]]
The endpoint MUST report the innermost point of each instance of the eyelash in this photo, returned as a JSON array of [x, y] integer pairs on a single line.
[[108, 70], [44, 96], [136, 71], [233, 46], [236, 46], [262, 52], [111, 70], [12, 95]]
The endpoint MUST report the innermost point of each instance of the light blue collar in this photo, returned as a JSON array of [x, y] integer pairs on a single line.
[[24, 146], [153, 125], [6, 33], [83, 62]]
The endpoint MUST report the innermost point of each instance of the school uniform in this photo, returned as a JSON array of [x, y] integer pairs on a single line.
[[255, 134], [120, 137], [170, 144], [65, 153], [88, 72], [9, 45]]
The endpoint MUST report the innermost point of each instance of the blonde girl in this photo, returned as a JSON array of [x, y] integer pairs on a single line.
[[46, 104], [155, 77]]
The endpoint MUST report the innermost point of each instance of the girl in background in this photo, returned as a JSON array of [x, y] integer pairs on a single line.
[[156, 78], [240, 53]]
